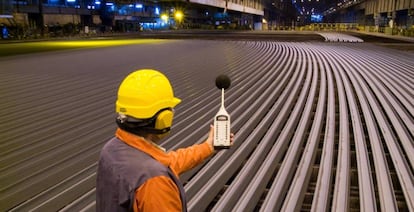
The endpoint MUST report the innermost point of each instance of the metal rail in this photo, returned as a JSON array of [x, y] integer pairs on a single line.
[[386, 192], [304, 168], [323, 188]]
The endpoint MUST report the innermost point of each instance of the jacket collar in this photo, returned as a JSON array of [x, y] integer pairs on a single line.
[[140, 143]]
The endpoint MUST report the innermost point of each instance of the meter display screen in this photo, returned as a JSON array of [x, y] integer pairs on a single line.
[[222, 118], [222, 128]]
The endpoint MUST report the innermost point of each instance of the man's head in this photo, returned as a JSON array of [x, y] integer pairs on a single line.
[[145, 103]]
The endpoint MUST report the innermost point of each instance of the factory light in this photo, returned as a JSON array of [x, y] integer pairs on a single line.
[[164, 17], [179, 15]]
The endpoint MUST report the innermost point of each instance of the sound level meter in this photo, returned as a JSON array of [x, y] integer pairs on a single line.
[[222, 118]]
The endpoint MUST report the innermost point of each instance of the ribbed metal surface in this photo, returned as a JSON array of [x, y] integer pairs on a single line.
[[340, 37], [319, 126]]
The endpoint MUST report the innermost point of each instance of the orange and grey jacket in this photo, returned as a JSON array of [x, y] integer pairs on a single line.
[[135, 175]]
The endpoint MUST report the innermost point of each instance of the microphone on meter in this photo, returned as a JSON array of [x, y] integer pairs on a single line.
[[222, 118]]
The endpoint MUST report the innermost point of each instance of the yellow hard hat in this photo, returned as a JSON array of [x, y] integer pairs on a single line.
[[145, 92]]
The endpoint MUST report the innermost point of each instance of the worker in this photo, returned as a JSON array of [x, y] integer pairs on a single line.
[[134, 172]]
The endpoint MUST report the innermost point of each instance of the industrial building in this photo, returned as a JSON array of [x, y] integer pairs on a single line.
[[66, 17], [321, 99]]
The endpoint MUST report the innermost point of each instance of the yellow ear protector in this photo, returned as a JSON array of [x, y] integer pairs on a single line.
[[164, 119], [160, 123]]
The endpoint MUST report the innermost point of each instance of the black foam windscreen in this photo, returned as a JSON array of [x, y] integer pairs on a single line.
[[223, 82]]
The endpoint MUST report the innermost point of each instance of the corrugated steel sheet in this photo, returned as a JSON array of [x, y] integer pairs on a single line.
[[319, 126]]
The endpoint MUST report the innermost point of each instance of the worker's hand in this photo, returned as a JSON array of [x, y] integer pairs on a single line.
[[210, 138]]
